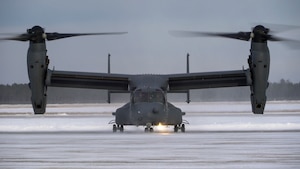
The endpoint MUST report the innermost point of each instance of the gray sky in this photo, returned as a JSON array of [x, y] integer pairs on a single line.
[[147, 48]]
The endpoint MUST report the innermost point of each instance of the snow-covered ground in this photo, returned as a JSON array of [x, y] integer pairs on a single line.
[[194, 107], [220, 135], [208, 116]]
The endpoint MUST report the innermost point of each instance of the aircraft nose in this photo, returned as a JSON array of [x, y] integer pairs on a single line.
[[155, 110], [149, 113]]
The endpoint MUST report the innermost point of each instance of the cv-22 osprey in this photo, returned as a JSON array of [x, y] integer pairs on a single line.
[[148, 105]]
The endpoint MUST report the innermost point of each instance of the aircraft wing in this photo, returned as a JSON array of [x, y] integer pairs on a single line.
[[181, 82], [107, 81]]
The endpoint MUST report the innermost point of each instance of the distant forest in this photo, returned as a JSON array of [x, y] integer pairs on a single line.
[[20, 94]]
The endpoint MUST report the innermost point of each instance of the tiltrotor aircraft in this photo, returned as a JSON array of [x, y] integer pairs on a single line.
[[148, 105]]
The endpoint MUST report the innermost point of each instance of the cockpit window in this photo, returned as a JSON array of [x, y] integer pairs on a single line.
[[152, 96]]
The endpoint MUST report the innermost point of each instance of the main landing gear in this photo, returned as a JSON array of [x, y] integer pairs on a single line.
[[179, 127], [117, 127], [149, 127]]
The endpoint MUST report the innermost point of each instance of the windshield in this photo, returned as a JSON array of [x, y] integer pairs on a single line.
[[153, 96]]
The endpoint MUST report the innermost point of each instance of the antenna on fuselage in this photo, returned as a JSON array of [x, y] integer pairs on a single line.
[[188, 100], [187, 63], [108, 63], [108, 71]]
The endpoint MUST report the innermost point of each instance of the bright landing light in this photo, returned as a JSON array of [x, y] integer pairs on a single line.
[[161, 128]]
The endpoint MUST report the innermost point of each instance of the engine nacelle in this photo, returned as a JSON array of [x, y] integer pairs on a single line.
[[37, 65], [259, 63]]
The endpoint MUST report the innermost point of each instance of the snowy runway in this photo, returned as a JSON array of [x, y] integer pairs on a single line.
[[215, 116], [220, 135]]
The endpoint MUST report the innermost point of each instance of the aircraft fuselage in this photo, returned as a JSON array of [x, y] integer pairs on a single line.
[[143, 114], [148, 107]]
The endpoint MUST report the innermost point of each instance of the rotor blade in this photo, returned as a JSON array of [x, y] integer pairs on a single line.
[[240, 35], [291, 43], [276, 39], [21, 37], [55, 35], [276, 28], [187, 33]]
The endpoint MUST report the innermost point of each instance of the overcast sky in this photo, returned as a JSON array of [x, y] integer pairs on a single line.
[[148, 47]]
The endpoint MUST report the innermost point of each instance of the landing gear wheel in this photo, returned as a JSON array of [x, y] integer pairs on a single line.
[[121, 128], [183, 128], [118, 127], [176, 128], [149, 129], [115, 128]]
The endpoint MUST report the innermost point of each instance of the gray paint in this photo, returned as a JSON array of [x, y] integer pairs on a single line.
[[155, 108]]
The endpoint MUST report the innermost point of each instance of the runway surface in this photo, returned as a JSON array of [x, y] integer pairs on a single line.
[[68, 139], [215, 150]]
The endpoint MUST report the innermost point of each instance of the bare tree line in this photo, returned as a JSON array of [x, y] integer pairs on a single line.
[[20, 94]]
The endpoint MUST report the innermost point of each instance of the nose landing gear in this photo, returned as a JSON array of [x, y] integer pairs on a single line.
[[116, 127], [149, 128], [179, 127]]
